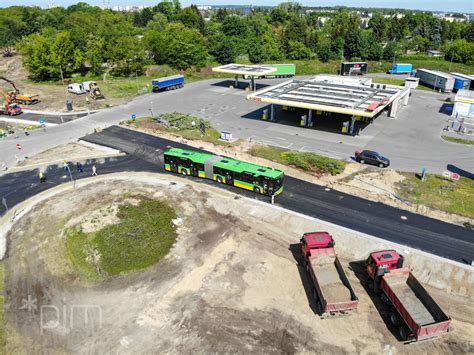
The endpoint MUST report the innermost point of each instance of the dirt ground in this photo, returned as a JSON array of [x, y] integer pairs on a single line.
[[359, 180], [233, 282], [12, 69], [70, 152]]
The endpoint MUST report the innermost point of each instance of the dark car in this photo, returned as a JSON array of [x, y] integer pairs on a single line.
[[370, 157]]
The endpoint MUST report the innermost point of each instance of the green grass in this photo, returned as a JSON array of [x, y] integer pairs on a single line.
[[389, 81], [439, 193], [425, 62], [310, 162], [458, 140], [3, 334], [143, 236]]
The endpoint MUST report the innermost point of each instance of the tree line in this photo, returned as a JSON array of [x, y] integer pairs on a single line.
[[83, 38]]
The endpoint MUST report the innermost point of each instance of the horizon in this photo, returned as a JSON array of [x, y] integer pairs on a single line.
[[455, 6]]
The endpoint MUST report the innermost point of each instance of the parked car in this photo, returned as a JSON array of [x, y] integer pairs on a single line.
[[371, 157]]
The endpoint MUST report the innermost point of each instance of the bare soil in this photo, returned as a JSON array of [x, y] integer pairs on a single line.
[[374, 184], [12, 68], [233, 282]]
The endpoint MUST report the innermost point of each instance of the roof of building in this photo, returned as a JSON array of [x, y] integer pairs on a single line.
[[464, 96], [330, 95], [464, 76], [437, 73], [241, 69]]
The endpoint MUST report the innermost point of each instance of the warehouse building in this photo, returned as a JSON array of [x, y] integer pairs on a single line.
[[352, 99]]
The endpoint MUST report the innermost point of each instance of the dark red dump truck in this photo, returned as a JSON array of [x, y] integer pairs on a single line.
[[332, 290], [413, 311]]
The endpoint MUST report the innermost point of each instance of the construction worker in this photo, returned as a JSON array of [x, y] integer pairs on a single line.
[[94, 170], [42, 177], [79, 167], [65, 166], [87, 100]]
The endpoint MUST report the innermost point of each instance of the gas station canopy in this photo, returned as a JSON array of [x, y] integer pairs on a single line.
[[247, 70], [335, 95]]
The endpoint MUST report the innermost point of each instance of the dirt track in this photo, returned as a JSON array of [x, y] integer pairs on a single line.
[[231, 283]]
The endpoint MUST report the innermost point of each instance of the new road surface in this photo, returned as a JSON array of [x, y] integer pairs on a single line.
[[144, 154]]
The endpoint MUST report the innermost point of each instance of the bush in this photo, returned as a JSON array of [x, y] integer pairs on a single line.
[[306, 161]]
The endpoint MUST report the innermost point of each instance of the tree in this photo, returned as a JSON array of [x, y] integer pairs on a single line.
[[435, 33], [221, 14], [10, 33], [420, 43], [191, 17], [224, 49], [141, 18], [127, 56], [256, 53], [353, 44], [95, 53], [46, 56], [234, 26], [158, 22], [177, 46], [297, 51], [390, 51], [378, 24], [460, 50]]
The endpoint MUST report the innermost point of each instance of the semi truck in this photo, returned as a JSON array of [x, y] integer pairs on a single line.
[[435, 79], [353, 68], [168, 83], [460, 83], [414, 313], [331, 289], [401, 68], [469, 78]]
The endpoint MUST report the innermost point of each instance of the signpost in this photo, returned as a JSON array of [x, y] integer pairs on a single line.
[[42, 121], [134, 117], [450, 175], [4, 202]]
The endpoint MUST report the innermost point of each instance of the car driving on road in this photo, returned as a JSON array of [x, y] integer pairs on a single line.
[[371, 157]]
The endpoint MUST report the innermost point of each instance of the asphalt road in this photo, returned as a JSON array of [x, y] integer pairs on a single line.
[[56, 119], [423, 233]]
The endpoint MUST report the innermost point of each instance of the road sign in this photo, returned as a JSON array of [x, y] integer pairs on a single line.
[[41, 121], [134, 117], [18, 146]]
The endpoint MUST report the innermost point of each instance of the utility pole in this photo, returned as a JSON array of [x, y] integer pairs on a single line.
[[452, 57], [136, 79]]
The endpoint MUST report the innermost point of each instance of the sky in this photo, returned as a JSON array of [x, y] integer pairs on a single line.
[[429, 5]]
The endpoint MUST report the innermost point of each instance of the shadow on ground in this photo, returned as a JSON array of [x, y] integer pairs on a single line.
[[242, 84], [305, 279], [463, 173]]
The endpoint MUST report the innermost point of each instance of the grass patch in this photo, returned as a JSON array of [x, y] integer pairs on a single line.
[[458, 140], [306, 161], [143, 236], [389, 81], [440, 193], [181, 124]]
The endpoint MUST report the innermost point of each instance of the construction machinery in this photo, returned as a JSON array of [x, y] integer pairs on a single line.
[[331, 289], [7, 107], [15, 95], [412, 310], [94, 90]]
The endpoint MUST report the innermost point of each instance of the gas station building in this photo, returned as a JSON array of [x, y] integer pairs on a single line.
[[251, 71], [357, 98]]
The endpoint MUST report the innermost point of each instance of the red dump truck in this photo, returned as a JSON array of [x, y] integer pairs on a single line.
[[332, 290], [413, 311]]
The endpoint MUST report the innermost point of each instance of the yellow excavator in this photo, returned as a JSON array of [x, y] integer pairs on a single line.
[[15, 95]]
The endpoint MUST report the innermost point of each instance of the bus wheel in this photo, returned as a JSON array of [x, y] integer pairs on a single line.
[[184, 172], [402, 333], [393, 318], [256, 190], [219, 180]]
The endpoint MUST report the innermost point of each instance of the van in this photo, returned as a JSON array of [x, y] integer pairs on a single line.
[[77, 89]]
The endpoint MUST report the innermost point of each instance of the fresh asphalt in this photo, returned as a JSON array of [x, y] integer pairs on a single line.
[[427, 234]]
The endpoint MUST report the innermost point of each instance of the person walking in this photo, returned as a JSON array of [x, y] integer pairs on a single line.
[[94, 170], [79, 167], [42, 177], [65, 166]]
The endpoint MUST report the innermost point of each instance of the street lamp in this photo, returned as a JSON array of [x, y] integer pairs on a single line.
[[136, 79]]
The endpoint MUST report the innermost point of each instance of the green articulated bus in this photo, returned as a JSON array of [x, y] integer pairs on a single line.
[[260, 179]]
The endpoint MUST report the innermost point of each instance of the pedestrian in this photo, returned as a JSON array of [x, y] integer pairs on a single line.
[[26, 132], [42, 177], [79, 166], [94, 170], [65, 166], [87, 100]]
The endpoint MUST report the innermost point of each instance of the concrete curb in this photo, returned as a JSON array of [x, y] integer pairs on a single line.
[[52, 113], [28, 122]]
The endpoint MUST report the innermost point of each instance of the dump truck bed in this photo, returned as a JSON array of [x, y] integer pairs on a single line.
[[334, 290], [419, 310]]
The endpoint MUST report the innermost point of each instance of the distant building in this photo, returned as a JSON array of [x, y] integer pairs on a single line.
[[204, 7], [434, 53]]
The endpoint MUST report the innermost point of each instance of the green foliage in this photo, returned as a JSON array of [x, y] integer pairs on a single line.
[[127, 56], [46, 56], [461, 51], [390, 51], [177, 46], [143, 236], [223, 48], [297, 50], [311, 162], [191, 18], [440, 193]]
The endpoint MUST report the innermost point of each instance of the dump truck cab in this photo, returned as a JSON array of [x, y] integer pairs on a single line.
[[316, 240], [380, 263]]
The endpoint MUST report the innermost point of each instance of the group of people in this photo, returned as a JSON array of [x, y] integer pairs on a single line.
[[79, 167]]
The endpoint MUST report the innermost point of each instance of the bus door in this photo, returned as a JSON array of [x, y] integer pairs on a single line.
[[229, 179], [174, 165], [194, 170]]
